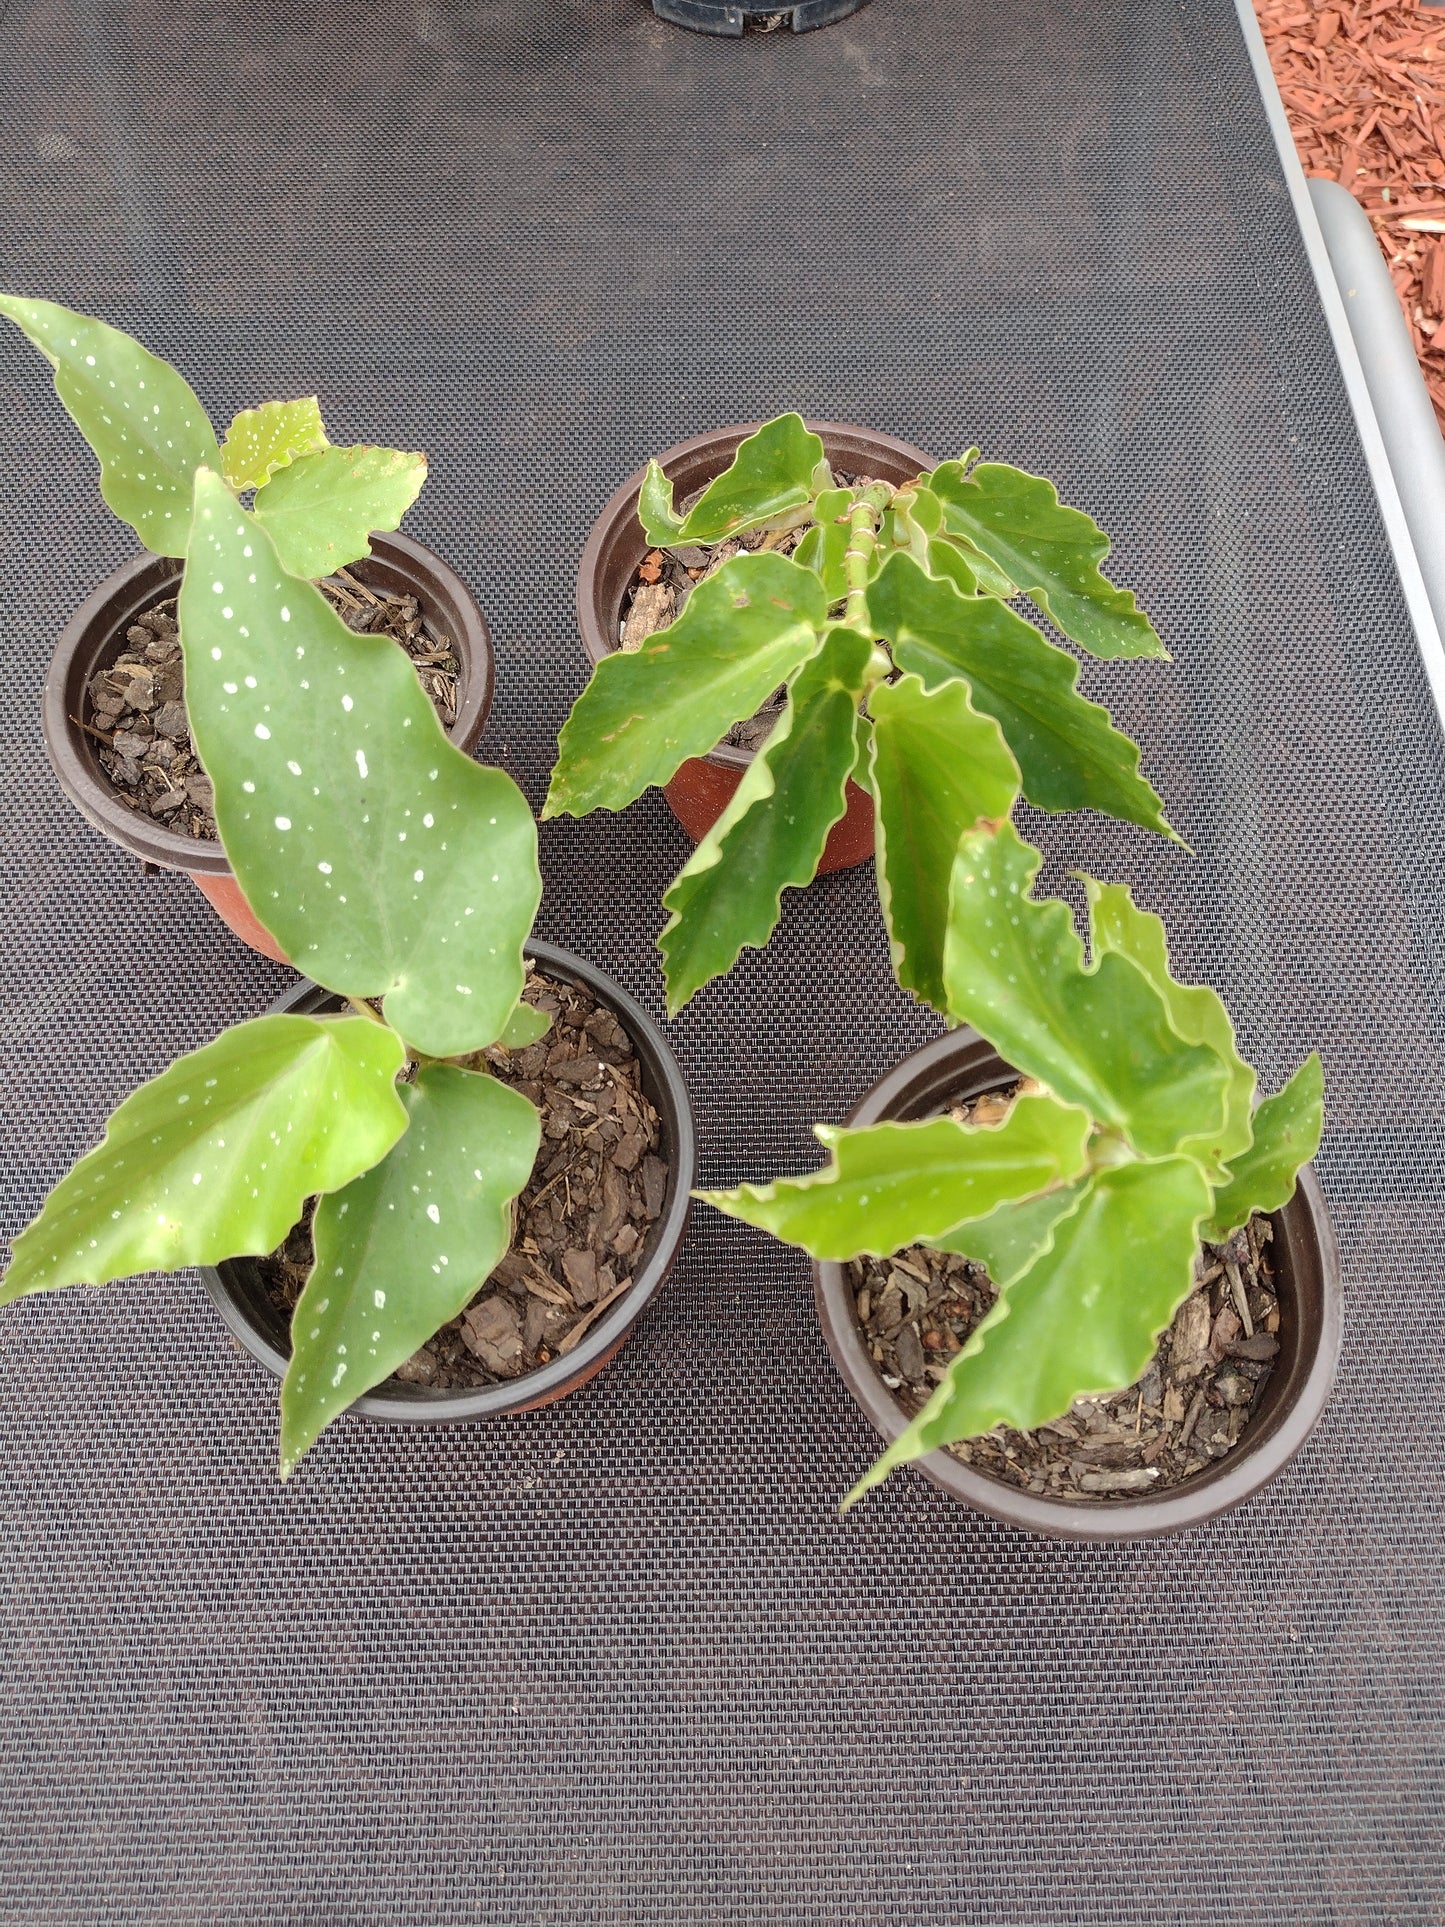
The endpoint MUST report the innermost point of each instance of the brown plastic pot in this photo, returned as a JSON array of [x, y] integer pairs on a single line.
[[1307, 1277], [240, 1297], [95, 636], [704, 785]]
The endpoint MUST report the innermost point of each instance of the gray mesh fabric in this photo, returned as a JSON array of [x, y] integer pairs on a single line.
[[619, 1660]]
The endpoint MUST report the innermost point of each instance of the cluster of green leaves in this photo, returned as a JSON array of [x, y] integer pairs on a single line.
[[907, 669], [394, 870], [1137, 1136], [150, 434]]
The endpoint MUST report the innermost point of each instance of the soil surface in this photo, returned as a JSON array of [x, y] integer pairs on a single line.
[[665, 579], [1190, 1408], [137, 707], [582, 1221]]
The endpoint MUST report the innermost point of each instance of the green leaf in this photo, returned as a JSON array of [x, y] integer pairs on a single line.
[[1009, 1239], [143, 421], [385, 862], [772, 833], [1083, 1320], [1071, 756], [660, 524], [261, 440], [1052, 553], [892, 1185], [822, 550], [404, 1248], [526, 1025], [320, 508], [938, 769], [1287, 1132], [1014, 968], [770, 476], [1117, 924], [216, 1156], [970, 572], [741, 633]]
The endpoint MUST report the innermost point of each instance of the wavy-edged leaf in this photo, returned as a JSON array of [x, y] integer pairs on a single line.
[[892, 1185], [971, 572], [1117, 923], [771, 475], [1286, 1134], [1014, 968], [772, 833], [261, 440], [939, 768], [1052, 553], [142, 419], [1070, 754], [320, 509], [404, 1248], [743, 631], [1084, 1319], [822, 550], [216, 1156], [1009, 1239], [385, 862]]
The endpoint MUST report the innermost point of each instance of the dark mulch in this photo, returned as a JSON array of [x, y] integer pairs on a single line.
[[1190, 1408], [581, 1223], [137, 707]]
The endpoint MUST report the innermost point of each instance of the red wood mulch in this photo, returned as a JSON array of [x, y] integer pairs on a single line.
[[1364, 87]]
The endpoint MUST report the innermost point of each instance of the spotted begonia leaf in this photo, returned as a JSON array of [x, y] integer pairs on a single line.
[[772, 833], [1070, 754], [1117, 923], [216, 1156], [1082, 1320], [772, 475], [404, 1248], [743, 631], [1099, 1037], [320, 509], [261, 440], [891, 1185], [143, 421], [384, 862], [1286, 1134], [1050, 551], [939, 768]]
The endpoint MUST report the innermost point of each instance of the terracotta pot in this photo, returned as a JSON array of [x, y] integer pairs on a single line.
[[95, 636], [1307, 1277], [240, 1297], [703, 786]]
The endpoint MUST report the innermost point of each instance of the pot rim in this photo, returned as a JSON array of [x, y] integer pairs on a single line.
[[420, 1406], [1303, 1231], [144, 578], [620, 510]]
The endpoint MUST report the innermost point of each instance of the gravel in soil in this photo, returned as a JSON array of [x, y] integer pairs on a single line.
[[1190, 1408], [665, 579], [582, 1221], [137, 708]]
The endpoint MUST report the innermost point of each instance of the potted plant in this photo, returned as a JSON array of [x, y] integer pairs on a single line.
[[114, 704], [1045, 1195], [403, 1095], [880, 606]]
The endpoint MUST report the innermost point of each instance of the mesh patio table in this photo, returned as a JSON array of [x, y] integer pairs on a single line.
[[620, 1660]]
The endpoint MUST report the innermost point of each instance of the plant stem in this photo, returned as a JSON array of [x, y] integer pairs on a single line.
[[858, 562], [363, 1009]]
